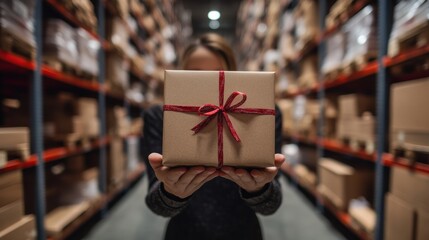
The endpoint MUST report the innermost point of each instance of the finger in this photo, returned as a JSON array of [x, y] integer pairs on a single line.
[[279, 160], [259, 176], [244, 176], [202, 178], [173, 174], [229, 171], [155, 160], [189, 175]]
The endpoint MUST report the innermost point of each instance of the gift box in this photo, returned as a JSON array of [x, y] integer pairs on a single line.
[[216, 118]]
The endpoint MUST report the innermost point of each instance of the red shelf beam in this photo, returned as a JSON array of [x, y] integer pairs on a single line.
[[11, 166], [369, 70], [50, 155], [50, 73], [9, 60], [335, 146], [403, 163], [406, 56]]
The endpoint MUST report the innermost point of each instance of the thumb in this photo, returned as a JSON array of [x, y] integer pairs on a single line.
[[279, 160], [155, 160]]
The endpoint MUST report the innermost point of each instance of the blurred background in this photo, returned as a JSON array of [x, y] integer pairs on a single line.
[[352, 84]]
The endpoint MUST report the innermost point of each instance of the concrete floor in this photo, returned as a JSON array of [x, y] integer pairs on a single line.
[[297, 219]]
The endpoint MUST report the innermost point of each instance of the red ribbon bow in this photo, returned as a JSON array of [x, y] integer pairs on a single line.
[[211, 111]]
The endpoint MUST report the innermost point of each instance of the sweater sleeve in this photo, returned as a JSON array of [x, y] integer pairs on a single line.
[[266, 201], [157, 199], [269, 199]]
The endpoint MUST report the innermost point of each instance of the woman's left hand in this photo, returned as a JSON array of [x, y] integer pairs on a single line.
[[255, 179]]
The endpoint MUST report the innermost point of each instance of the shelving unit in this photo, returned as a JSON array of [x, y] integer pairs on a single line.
[[34, 77], [375, 78]]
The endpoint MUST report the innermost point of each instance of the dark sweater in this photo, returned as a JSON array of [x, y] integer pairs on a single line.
[[220, 209]]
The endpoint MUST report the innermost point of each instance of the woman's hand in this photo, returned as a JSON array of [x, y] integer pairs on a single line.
[[254, 180], [181, 181]]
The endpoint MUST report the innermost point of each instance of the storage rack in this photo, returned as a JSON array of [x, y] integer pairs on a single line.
[[38, 75], [375, 75]]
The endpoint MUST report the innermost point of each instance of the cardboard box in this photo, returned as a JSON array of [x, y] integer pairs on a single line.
[[87, 107], [422, 225], [400, 219], [10, 214], [10, 178], [116, 163], [363, 218], [410, 186], [196, 88], [14, 138], [24, 229], [340, 183], [10, 194], [354, 105], [61, 217], [409, 120]]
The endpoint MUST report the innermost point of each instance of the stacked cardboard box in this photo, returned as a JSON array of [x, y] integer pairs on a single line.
[[79, 186], [71, 120], [13, 224], [306, 111], [118, 122], [16, 141], [117, 34], [88, 113], [88, 52], [116, 164], [340, 183], [356, 122], [307, 27], [16, 20], [60, 45], [337, 13], [133, 153], [117, 73], [84, 12], [334, 53], [122, 8], [410, 23], [406, 209], [308, 77], [361, 41], [409, 126]]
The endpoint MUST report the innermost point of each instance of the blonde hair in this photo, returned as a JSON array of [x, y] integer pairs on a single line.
[[214, 43]]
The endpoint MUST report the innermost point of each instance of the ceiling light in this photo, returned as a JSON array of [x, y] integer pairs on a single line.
[[214, 24], [213, 15]]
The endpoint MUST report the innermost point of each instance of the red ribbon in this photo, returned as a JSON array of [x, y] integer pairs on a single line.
[[211, 111]]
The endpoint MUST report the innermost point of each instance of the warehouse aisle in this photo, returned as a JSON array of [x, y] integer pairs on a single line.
[[297, 219]]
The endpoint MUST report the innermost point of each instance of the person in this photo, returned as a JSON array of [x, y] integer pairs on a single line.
[[206, 203]]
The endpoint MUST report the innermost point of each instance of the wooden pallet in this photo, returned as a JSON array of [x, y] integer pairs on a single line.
[[414, 38], [358, 63], [10, 43]]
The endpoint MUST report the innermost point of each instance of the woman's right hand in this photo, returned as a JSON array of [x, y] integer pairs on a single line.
[[181, 181]]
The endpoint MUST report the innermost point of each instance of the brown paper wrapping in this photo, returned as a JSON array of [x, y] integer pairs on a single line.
[[196, 88]]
